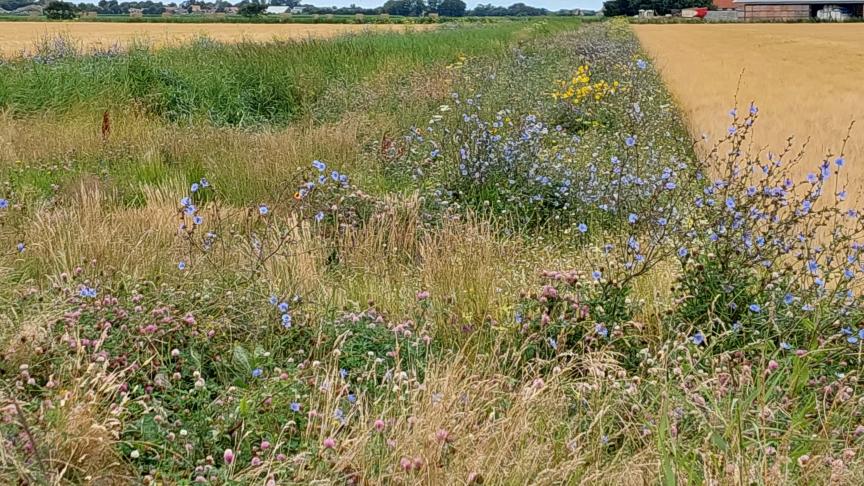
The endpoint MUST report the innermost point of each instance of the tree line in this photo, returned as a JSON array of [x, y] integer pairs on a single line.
[[408, 8], [613, 8]]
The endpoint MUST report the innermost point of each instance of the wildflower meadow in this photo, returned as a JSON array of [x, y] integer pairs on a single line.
[[479, 254]]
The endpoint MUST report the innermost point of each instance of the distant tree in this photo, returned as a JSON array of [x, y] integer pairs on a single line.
[[14, 4], [613, 8], [408, 8], [284, 3], [60, 10], [110, 7], [489, 10], [252, 9], [522, 10], [451, 8], [86, 7]]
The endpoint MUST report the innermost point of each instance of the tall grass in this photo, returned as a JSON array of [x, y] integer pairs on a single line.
[[236, 84]]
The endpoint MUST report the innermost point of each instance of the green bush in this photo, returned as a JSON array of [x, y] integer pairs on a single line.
[[59, 11]]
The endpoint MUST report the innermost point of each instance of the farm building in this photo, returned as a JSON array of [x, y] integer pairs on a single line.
[[799, 9], [281, 10], [278, 10]]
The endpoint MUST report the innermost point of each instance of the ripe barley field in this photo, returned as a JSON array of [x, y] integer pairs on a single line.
[[16, 37], [804, 78]]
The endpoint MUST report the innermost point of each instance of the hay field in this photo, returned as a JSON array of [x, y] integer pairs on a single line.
[[804, 78], [18, 36]]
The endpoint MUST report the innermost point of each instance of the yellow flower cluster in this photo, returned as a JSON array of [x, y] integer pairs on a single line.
[[580, 88], [459, 62]]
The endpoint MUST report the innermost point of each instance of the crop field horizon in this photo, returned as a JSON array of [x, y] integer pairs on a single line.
[[18, 37], [802, 78], [474, 254]]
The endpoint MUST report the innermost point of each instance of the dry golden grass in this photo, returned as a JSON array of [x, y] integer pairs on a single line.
[[18, 36], [804, 79]]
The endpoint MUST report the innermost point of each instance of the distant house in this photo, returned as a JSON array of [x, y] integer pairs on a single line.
[[232, 10], [278, 10], [298, 9], [136, 12], [781, 10], [724, 4]]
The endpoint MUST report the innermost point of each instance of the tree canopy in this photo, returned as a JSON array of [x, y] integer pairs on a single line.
[[613, 8], [60, 10], [252, 9], [451, 8]]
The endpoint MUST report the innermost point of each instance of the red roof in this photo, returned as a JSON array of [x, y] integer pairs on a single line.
[[724, 4]]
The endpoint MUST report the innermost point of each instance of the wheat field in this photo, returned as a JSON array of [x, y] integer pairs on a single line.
[[16, 37], [804, 78]]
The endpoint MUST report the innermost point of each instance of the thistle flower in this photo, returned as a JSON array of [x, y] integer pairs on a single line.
[[228, 456], [329, 443]]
